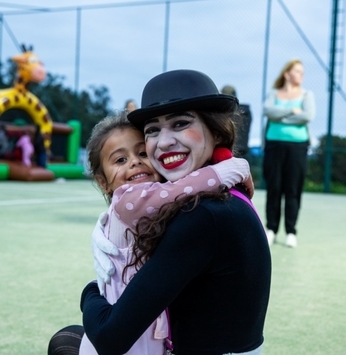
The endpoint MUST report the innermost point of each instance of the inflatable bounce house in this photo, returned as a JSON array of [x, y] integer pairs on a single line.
[[32, 146]]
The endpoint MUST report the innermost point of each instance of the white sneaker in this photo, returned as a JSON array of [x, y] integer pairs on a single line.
[[291, 240], [270, 236]]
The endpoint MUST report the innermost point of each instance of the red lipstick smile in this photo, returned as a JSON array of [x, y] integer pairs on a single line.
[[172, 160]]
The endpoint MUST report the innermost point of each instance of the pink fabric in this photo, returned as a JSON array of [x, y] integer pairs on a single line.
[[151, 341], [238, 194], [134, 201], [25, 144]]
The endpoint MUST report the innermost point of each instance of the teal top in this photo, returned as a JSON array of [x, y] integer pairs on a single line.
[[283, 124], [288, 132]]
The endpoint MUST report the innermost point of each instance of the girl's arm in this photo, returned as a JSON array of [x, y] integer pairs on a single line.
[[133, 201], [229, 172]]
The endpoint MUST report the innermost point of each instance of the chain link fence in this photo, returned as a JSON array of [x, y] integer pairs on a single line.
[[122, 45]]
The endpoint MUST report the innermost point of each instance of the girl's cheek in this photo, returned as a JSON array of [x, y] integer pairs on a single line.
[[148, 145]]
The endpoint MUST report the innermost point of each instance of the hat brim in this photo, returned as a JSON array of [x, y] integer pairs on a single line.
[[217, 103]]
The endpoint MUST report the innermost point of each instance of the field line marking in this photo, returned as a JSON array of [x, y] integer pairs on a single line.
[[49, 200]]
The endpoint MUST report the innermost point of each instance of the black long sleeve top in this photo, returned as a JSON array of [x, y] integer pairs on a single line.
[[212, 268]]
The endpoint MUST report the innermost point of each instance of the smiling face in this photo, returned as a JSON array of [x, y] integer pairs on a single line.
[[124, 160], [178, 144]]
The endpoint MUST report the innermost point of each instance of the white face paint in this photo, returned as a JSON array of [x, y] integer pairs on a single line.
[[178, 144]]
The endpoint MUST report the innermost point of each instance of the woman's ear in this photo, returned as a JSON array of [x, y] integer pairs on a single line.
[[217, 140]]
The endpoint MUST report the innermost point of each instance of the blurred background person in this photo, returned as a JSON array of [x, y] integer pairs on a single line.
[[242, 124], [289, 109], [130, 105], [24, 142], [4, 141], [40, 149]]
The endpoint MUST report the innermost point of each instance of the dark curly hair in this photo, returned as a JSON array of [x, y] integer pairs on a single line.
[[149, 231]]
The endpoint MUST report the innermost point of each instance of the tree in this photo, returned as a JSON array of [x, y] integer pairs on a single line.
[[87, 106], [317, 161]]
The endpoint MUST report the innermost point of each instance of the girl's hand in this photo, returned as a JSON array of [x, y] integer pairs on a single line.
[[101, 249], [249, 186]]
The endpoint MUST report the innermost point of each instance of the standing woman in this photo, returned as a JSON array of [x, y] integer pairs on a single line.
[[289, 109]]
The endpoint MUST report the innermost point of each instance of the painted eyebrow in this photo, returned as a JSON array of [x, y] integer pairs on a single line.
[[170, 116]]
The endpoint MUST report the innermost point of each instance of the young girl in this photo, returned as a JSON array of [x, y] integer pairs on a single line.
[[24, 142], [119, 164]]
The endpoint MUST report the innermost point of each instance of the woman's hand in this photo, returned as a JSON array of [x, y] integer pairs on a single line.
[[101, 249], [297, 110]]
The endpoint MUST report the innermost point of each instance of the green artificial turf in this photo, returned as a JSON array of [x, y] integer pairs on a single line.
[[306, 313], [45, 261]]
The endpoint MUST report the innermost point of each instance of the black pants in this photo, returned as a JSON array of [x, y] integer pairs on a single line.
[[66, 341], [284, 170]]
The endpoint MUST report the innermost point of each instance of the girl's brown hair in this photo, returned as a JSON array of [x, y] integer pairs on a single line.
[[98, 137]]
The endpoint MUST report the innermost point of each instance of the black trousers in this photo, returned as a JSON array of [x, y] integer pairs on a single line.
[[66, 341], [284, 171]]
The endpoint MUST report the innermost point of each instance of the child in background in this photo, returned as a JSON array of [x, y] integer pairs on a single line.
[[24, 142], [119, 164]]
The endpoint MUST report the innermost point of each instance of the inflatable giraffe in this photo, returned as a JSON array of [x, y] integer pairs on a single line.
[[29, 69]]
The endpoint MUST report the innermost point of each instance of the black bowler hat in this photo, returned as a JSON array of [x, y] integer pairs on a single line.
[[180, 90]]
